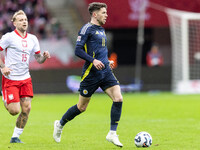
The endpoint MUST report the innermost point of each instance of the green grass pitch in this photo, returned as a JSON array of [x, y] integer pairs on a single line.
[[172, 120]]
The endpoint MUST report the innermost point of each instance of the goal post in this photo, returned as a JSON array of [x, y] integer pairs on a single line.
[[185, 40]]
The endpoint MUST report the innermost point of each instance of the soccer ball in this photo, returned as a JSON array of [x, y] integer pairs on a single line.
[[143, 139]]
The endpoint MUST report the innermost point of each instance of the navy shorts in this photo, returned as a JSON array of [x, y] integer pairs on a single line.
[[87, 89]]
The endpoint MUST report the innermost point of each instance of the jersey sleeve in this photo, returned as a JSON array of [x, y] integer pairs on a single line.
[[83, 36], [36, 48], [4, 42]]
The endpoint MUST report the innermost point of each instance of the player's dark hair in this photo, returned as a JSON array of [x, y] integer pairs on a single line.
[[96, 6]]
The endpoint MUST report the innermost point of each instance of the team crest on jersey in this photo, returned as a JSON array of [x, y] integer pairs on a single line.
[[85, 92], [78, 38], [97, 32], [24, 43], [10, 96]]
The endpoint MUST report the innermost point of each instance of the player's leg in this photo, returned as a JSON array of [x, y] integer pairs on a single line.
[[69, 115], [10, 95], [11, 99], [75, 110], [111, 86], [13, 108], [26, 94], [26, 108], [115, 94], [86, 91], [22, 119]]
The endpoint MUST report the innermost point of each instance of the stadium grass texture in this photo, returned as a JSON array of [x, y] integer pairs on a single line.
[[172, 120]]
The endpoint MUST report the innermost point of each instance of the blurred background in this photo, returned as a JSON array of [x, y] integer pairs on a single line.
[[56, 24]]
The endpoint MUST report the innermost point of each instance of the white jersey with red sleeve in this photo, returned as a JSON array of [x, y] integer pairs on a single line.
[[17, 53]]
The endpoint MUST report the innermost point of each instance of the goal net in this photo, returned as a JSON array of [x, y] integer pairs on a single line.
[[185, 37]]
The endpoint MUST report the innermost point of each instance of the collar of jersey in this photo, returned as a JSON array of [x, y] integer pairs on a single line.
[[94, 24], [20, 35]]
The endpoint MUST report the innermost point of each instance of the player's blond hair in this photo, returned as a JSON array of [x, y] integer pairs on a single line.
[[20, 12]]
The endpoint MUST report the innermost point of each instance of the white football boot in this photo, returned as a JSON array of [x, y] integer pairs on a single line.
[[57, 131], [113, 138]]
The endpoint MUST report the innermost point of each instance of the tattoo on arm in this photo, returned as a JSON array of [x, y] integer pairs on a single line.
[[2, 65], [22, 120], [40, 59]]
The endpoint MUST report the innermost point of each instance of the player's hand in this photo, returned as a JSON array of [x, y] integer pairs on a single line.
[[46, 54], [98, 64], [6, 71], [111, 64]]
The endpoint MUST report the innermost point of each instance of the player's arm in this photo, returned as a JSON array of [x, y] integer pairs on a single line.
[[111, 64], [4, 70], [41, 58], [80, 52], [2, 65]]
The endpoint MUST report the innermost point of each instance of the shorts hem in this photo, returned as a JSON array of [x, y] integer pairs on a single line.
[[84, 95], [110, 86], [26, 96]]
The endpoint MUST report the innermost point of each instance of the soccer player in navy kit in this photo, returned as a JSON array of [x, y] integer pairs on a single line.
[[91, 46]]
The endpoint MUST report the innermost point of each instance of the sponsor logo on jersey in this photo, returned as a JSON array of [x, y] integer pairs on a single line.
[[78, 38], [85, 92]]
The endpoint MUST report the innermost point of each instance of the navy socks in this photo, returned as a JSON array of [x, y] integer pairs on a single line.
[[115, 115], [70, 114]]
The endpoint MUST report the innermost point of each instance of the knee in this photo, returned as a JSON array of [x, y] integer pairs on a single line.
[[14, 112], [27, 109], [13, 109], [82, 109], [118, 99]]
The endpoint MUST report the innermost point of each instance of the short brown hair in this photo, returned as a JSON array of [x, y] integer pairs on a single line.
[[96, 6], [20, 12]]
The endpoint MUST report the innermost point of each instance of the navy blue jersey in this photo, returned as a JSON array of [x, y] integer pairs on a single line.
[[90, 45]]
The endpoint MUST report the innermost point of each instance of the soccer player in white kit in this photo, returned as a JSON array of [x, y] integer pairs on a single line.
[[17, 87]]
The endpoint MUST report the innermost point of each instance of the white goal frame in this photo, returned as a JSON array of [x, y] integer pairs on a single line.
[[182, 83]]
